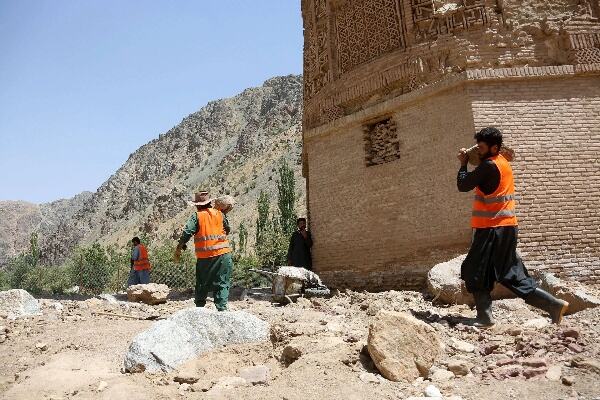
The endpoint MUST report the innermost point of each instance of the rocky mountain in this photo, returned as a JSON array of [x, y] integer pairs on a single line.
[[18, 219], [230, 146]]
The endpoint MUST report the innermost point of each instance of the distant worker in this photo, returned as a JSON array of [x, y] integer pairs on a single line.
[[301, 242], [214, 264], [493, 253], [140, 264]]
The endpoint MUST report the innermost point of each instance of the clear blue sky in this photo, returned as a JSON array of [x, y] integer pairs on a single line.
[[83, 83]]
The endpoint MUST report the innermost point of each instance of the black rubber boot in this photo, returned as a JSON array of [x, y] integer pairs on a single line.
[[545, 301], [483, 305]]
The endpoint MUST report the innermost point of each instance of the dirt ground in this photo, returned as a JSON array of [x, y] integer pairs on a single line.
[[74, 350]]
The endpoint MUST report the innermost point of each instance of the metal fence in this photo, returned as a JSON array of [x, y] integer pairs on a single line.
[[113, 278]]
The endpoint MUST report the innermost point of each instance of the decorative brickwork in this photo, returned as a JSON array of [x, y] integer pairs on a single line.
[[367, 29], [317, 72], [585, 48], [381, 142], [433, 18]]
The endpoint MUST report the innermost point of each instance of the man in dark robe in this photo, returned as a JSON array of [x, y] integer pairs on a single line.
[[300, 243], [493, 254]]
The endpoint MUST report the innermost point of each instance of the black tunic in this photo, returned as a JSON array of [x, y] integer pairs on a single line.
[[493, 254], [299, 250]]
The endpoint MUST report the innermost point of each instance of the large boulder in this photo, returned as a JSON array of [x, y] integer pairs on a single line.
[[149, 293], [444, 283], [401, 346], [18, 303], [573, 292], [189, 333]]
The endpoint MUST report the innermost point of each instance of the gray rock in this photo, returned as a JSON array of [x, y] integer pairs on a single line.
[[432, 391], [554, 373], [202, 386], [101, 386], [536, 323], [228, 382], [109, 298], [150, 293], [401, 346], [368, 377], [41, 346], [568, 380], [444, 283], [572, 292], [462, 346], [441, 375], [185, 377], [459, 367], [257, 375], [189, 333], [18, 303]]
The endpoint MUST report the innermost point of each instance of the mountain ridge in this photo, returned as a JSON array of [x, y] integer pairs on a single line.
[[229, 146]]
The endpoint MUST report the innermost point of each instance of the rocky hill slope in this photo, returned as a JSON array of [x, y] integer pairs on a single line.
[[231, 146]]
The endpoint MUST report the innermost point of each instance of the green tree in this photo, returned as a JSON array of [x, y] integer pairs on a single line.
[[242, 238], [90, 268], [4, 280], [242, 276], [286, 198], [262, 222], [21, 265]]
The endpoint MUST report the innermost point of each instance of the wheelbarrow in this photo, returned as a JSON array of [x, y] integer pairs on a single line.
[[290, 283]]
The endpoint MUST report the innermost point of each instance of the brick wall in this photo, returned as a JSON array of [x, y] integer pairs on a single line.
[[554, 126], [381, 227]]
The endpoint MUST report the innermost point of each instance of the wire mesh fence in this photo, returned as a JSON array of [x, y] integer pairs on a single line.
[[95, 269], [114, 278]]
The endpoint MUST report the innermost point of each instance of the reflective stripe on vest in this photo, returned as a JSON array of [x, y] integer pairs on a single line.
[[209, 237], [213, 247], [494, 214], [497, 208], [210, 240], [142, 262], [499, 199]]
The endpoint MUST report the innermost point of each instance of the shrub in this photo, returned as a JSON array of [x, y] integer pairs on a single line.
[[90, 268], [242, 276], [180, 275]]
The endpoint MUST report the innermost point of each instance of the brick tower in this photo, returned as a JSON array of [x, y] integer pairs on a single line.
[[393, 88]]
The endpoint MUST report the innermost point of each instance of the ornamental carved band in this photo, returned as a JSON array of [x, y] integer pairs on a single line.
[[316, 48], [433, 18]]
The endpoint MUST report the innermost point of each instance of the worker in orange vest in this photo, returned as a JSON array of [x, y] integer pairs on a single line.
[[493, 254], [140, 264], [214, 264]]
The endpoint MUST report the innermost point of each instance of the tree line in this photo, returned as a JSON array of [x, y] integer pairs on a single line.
[[95, 268]]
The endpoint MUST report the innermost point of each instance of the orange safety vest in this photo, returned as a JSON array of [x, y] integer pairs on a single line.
[[497, 208], [142, 262], [211, 239]]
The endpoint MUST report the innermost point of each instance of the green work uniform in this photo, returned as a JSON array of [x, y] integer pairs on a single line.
[[212, 274]]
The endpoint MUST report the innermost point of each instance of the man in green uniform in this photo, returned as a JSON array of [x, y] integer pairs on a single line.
[[214, 264]]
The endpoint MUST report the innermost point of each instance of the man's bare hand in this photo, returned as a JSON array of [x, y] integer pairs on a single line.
[[463, 156]]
